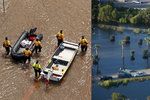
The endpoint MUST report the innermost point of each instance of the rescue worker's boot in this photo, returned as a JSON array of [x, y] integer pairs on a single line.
[[36, 49], [7, 50], [85, 49], [82, 48], [40, 49]]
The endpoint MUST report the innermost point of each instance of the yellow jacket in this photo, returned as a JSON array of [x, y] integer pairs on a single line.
[[60, 36], [37, 43], [6, 43], [27, 53], [83, 42], [36, 66]]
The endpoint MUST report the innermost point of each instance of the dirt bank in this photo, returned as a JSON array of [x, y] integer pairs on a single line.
[[49, 16]]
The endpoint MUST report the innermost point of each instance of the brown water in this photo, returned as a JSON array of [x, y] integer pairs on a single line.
[[49, 16]]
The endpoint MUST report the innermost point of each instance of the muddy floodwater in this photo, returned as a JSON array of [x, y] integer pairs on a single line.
[[49, 16]]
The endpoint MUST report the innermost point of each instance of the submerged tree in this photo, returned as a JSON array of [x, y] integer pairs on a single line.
[[112, 38], [140, 42], [127, 40], [132, 55]]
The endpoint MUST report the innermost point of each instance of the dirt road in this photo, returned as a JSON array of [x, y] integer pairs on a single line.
[[49, 16]]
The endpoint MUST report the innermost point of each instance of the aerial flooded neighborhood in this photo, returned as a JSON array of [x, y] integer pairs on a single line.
[[120, 49]]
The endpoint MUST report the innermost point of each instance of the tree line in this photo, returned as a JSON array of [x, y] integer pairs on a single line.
[[108, 14]]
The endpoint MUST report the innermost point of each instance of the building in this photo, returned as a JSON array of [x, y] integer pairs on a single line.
[[144, 1], [121, 0]]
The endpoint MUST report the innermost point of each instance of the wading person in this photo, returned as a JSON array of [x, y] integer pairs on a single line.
[[83, 42], [27, 55], [38, 46], [60, 37], [37, 69], [7, 45]]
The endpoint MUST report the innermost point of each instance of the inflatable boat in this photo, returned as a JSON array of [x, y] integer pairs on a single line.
[[60, 61], [25, 40]]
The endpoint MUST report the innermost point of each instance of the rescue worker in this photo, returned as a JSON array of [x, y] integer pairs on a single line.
[[37, 69], [60, 37], [83, 42], [38, 46], [7, 45], [27, 54]]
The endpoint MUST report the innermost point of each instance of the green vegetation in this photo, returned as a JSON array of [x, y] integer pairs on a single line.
[[108, 14], [118, 96], [124, 81], [120, 29], [95, 11], [137, 30]]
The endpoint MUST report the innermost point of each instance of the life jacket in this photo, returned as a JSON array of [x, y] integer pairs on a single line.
[[83, 42], [36, 66], [60, 36], [27, 53], [6, 43], [32, 38], [37, 43]]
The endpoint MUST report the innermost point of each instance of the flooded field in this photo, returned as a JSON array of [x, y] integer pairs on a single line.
[[110, 62], [49, 16]]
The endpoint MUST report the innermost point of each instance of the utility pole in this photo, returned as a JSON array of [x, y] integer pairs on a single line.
[[122, 52], [148, 41], [3, 6]]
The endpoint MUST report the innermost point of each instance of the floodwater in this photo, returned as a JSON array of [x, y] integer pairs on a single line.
[[110, 62], [49, 16]]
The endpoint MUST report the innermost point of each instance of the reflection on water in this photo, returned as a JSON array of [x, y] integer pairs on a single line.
[[110, 62]]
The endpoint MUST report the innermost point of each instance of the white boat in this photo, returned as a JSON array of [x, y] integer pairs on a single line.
[[60, 61]]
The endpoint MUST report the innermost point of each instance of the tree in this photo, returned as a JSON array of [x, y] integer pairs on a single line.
[[114, 14], [123, 20], [134, 20], [95, 7], [105, 13]]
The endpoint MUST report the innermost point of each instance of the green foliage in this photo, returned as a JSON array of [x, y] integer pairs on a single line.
[[95, 11], [137, 30], [123, 20], [148, 30], [105, 13], [108, 14], [124, 81], [118, 96], [114, 15], [134, 20]]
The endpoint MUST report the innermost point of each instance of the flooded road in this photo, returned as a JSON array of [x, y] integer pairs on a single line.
[[49, 16]]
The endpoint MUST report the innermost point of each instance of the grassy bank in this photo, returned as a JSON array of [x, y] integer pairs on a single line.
[[124, 81], [118, 96], [122, 28]]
